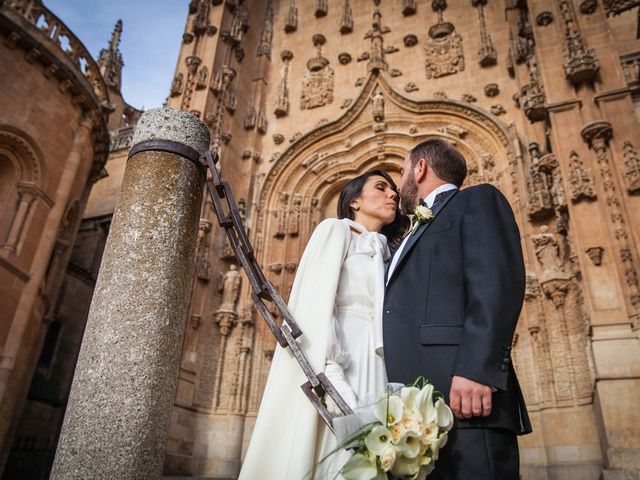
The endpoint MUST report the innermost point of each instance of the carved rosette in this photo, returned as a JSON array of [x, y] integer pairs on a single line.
[[580, 180], [317, 83]]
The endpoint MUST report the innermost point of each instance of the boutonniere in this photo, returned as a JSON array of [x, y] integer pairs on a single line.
[[421, 215]]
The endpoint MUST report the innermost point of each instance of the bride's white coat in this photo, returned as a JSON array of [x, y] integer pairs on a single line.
[[289, 436]]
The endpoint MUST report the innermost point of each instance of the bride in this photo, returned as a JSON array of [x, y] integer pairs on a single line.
[[337, 301]]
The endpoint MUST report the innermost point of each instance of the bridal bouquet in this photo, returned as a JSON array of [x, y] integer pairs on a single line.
[[400, 435]]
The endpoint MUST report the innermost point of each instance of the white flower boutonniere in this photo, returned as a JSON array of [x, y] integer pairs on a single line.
[[422, 214]]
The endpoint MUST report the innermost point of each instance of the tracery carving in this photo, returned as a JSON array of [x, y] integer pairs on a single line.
[[322, 8], [346, 22], [532, 94], [294, 218], [580, 180], [250, 119], [487, 53], [376, 51], [177, 85], [281, 222], [409, 7], [444, 53], [631, 170], [203, 76], [317, 83], [282, 99], [266, 36], [580, 62], [291, 19]]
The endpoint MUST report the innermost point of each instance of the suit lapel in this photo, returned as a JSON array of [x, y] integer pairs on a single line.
[[416, 236]]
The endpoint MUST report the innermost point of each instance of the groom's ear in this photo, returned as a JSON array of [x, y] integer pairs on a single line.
[[420, 170]]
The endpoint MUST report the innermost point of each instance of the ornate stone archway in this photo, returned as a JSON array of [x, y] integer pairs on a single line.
[[378, 130]]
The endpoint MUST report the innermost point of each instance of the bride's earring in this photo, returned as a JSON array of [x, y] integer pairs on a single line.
[[355, 206]]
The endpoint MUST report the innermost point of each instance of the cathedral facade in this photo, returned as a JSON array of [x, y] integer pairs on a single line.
[[542, 97]]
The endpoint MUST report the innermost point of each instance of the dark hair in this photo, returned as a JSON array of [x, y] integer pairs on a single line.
[[447, 162], [353, 189]]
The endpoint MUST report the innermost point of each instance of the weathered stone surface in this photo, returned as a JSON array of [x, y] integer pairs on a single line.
[[118, 413]]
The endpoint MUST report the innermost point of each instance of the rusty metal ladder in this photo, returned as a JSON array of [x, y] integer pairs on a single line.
[[262, 290]]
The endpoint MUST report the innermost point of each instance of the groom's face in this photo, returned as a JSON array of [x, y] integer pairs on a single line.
[[408, 188]]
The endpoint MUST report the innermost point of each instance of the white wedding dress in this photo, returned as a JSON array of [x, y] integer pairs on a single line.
[[337, 301]]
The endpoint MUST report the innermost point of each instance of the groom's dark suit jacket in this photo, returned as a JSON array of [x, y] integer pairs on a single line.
[[453, 300]]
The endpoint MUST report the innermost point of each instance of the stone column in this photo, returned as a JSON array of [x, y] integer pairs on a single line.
[[117, 418]]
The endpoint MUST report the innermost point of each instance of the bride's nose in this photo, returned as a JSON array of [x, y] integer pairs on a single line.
[[393, 194]]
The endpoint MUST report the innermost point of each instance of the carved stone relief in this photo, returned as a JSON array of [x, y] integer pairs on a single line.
[[580, 62], [291, 19], [487, 54], [346, 22], [532, 94], [266, 36], [322, 8], [294, 218], [282, 100], [377, 103], [631, 170], [409, 7], [444, 53], [595, 254], [580, 180], [317, 83], [491, 90]]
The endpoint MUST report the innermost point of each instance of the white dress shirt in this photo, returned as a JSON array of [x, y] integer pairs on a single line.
[[429, 199]]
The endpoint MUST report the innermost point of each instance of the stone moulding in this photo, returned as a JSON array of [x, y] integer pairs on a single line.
[[451, 107]]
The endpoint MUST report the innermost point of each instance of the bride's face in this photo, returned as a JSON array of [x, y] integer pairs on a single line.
[[378, 202]]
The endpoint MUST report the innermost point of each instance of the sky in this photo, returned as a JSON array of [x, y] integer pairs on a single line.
[[151, 38]]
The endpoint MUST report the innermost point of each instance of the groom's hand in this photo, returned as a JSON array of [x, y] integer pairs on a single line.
[[469, 399]]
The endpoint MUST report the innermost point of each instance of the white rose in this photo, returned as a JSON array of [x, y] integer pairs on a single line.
[[388, 458], [423, 213]]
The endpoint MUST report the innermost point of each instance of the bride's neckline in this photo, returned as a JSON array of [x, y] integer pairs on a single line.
[[357, 227]]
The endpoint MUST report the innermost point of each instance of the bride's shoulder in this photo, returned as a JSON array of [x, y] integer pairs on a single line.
[[333, 227]]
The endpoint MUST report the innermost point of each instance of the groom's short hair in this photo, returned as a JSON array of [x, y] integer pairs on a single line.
[[447, 162]]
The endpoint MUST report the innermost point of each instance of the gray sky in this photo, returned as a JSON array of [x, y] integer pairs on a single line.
[[151, 38]]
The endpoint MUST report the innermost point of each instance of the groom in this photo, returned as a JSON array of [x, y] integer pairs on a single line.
[[454, 292]]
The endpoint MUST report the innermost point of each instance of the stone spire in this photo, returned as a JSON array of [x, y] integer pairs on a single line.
[[110, 60]]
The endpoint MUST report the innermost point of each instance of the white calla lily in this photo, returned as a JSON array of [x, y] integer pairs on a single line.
[[437, 443], [424, 404], [408, 395], [378, 440], [445, 416], [405, 466], [409, 445], [361, 467], [388, 410]]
